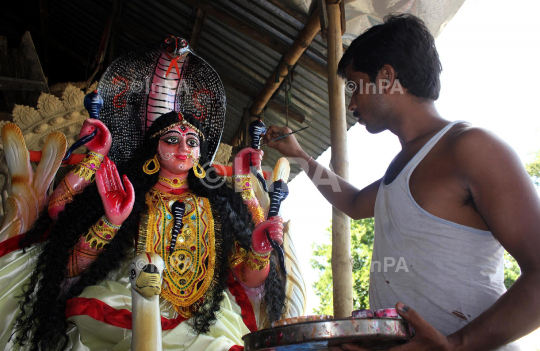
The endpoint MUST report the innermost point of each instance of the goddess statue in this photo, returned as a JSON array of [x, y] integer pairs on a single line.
[[92, 227], [67, 281]]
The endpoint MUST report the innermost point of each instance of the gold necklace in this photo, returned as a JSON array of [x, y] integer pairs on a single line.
[[175, 183]]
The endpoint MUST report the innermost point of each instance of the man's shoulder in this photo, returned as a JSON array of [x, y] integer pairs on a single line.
[[474, 147], [464, 139], [465, 136]]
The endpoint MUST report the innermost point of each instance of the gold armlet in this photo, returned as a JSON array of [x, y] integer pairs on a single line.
[[237, 255], [255, 261], [250, 258], [101, 234], [87, 168], [242, 184]]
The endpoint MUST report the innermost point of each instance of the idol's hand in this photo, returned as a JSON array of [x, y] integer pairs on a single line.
[[102, 141], [287, 146], [118, 202], [242, 160], [259, 241]]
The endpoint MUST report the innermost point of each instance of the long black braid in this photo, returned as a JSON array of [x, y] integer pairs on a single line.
[[41, 323]]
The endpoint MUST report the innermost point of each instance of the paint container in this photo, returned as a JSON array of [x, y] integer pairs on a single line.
[[363, 314], [387, 313]]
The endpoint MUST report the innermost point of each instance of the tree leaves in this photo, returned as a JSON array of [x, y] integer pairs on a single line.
[[361, 247]]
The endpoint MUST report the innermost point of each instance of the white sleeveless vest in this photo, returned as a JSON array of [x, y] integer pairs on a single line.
[[449, 273]]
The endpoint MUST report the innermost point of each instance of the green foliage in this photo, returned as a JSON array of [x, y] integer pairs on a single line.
[[361, 248], [361, 245], [511, 270], [322, 261], [534, 169]]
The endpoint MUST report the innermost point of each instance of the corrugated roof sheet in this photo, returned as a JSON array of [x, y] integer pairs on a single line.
[[234, 55]]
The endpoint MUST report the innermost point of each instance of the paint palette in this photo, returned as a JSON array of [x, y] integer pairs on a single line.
[[302, 319], [371, 333]]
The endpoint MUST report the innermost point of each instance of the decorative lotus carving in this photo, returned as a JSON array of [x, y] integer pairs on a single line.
[[52, 114]]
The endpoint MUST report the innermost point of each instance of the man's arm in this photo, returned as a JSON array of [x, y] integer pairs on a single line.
[[355, 203], [506, 199]]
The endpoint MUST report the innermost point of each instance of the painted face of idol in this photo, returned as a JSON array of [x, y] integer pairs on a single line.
[[179, 149]]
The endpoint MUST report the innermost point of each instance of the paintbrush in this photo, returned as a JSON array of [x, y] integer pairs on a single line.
[[286, 135]]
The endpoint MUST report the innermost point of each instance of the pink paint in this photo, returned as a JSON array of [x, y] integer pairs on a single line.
[[363, 314], [387, 313]]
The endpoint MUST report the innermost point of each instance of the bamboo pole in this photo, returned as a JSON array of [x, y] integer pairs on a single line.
[[341, 233], [301, 43], [303, 40], [197, 30]]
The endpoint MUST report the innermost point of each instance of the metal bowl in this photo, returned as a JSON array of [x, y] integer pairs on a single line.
[[374, 334]]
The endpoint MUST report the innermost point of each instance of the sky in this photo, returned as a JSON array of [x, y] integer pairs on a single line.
[[489, 52]]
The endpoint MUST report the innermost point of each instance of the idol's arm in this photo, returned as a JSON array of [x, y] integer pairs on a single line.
[[83, 173], [90, 246], [117, 203], [251, 266]]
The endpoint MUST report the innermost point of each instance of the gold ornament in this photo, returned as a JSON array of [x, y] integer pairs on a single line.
[[252, 260], [198, 170], [174, 183], [189, 269], [182, 122], [101, 233], [91, 245], [87, 168], [242, 184], [156, 167]]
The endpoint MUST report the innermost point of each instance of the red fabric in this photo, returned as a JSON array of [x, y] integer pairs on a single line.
[[12, 244], [9, 245], [100, 311], [237, 348], [243, 301]]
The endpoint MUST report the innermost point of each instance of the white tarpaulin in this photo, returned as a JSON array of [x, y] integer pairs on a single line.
[[362, 14]]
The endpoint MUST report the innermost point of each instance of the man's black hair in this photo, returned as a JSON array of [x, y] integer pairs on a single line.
[[403, 42]]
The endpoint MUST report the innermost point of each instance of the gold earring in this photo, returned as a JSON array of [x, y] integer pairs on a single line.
[[155, 168], [198, 170]]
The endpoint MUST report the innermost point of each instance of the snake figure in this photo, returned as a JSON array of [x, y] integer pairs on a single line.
[[147, 82]]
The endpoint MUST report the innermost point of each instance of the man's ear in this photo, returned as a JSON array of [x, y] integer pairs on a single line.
[[387, 78]]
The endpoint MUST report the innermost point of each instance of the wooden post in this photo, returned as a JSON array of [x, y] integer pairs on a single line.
[[301, 43], [303, 40], [341, 233], [113, 39], [197, 30]]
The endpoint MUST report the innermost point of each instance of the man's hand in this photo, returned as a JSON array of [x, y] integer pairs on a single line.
[[245, 159], [426, 337], [102, 142], [259, 241], [287, 146], [118, 202]]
